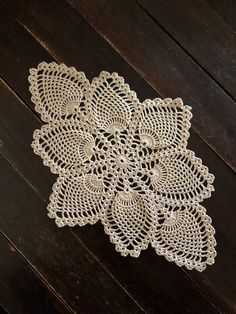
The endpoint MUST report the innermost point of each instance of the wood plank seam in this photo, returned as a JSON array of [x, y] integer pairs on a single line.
[[19, 91], [214, 9], [77, 238], [45, 283], [140, 72], [214, 152], [59, 61], [3, 309], [46, 203], [82, 243], [186, 51]]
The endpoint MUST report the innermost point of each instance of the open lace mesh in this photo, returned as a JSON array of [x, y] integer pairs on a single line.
[[124, 163]]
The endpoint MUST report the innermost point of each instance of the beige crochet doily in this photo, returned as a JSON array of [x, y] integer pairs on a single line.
[[124, 163]]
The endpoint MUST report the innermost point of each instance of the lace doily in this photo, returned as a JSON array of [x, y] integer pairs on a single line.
[[124, 163]]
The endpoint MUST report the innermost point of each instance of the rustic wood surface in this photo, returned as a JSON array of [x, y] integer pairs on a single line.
[[225, 9], [166, 48], [23, 288], [167, 68]]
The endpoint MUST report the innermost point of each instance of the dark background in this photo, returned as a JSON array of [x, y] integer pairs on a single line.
[[166, 48]]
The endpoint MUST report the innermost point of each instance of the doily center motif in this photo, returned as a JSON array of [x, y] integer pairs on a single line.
[[123, 162]]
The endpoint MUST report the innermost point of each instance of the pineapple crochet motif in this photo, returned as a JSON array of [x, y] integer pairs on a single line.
[[123, 162]]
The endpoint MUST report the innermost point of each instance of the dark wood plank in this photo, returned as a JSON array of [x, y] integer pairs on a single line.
[[21, 291], [2, 310], [164, 287], [10, 10], [202, 33], [156, 292], [13, 55], [60, 257], [166, 67], [226, 9]]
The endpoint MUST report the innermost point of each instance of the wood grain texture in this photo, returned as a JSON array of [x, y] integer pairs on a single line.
[[167, 68], [226, 9], [148, 290], [153, 292], [202, 33], [22, 57], [55, 253], [10, 10], [92, 270], [21, 290]]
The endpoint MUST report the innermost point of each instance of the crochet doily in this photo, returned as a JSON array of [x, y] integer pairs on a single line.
[[124, 163]]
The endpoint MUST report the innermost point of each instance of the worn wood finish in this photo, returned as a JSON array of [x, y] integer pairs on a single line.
[[60, 258], [21, 290], [131, 273], [226, 9], [202, 33], [13, 55], [102, 279], [22, 57], [212, 281], [167, 68], [69, 265], [10, 10]]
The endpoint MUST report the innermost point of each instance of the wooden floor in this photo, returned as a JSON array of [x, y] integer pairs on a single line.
[[165, 48]]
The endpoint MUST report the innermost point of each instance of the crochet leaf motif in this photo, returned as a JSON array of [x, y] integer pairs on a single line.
[[124, 163]]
